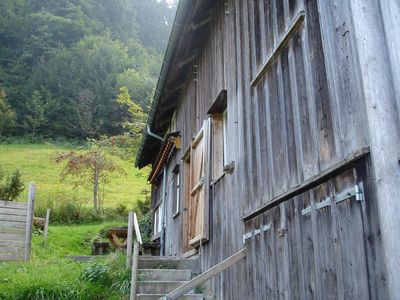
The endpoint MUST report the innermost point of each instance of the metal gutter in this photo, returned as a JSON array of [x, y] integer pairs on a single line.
[[182, 12]]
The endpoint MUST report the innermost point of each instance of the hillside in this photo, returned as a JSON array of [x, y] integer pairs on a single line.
[[62, 63], [34, 163]]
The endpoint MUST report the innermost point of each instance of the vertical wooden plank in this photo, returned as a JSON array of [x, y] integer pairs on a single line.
[[311, 140], [46, 226], [29, 221], [352, 246], [129, 241], [321, 98], [325, 243], [297, 122], [308, 241], [314, 230], [289, 119], [298, 241], [377, 281], [336, 245], [134, 271]]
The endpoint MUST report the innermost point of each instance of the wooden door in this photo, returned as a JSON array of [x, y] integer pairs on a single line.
[[322, 244]]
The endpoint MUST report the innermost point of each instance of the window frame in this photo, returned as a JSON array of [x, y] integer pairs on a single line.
[[177, 193]]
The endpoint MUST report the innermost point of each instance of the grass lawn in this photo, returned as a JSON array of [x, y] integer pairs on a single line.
[[50, 273], [34, 162]]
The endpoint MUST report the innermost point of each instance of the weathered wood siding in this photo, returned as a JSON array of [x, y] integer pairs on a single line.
[[322, 244], [13, 230], [295, 108]]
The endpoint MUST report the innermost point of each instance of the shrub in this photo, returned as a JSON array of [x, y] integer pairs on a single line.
[[72, 212], [146, 226], [12, 187]]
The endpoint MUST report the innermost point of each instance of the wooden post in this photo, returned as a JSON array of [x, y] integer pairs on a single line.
[[29, 221], [379, 84], [129, 241], [46, 226], [134, 270]]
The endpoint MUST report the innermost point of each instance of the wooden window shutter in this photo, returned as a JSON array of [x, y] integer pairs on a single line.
[[199, 186]]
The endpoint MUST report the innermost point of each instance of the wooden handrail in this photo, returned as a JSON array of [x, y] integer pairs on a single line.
[[222, 266]]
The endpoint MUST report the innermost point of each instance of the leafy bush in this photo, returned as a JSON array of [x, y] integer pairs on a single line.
[[146, 226], [111, 272], [11, 187]]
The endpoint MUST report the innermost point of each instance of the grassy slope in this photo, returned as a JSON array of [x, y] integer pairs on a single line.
[[34, 163], [48, 266]]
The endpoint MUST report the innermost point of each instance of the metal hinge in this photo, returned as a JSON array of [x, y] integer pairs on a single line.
[[256, 232], [356, 191]]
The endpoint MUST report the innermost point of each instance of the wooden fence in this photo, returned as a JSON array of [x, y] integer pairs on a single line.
[[16, 220]]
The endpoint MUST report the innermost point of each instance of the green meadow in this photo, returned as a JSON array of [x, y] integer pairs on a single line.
[[35, 163]]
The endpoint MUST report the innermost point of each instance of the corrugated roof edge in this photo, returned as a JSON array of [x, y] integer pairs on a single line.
[[181, 13]]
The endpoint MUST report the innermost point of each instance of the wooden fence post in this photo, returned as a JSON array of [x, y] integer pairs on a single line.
[[129, 241], [134, 270], [29, 221], [46, 226]]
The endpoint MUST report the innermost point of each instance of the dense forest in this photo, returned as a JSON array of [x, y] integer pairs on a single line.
[[65, 63]]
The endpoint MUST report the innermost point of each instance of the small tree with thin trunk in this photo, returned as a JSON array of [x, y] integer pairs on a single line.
[[35, 115], [92, 167]]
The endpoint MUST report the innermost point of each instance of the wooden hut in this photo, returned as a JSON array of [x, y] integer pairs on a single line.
[[275, 128]]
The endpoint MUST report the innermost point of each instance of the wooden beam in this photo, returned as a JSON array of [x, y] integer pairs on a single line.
[[201, 23], [186, 59], [222, 266], [298, 21], [310, 183], [29, 221]]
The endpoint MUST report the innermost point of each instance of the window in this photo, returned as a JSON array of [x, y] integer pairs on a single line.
[[225, 134], [219, 133], [157, 225], [177, 194]]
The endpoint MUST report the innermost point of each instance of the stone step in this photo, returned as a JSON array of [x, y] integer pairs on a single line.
[[159, 287], [162, 262], [158, 296], [164, 275]]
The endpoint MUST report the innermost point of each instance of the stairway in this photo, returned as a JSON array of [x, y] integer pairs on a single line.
[[158, 276]]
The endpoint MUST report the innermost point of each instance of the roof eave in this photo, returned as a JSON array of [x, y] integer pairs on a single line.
[[182, 13]]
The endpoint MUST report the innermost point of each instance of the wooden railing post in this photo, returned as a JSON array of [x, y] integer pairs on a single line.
[[129, 242], [46, 226], [135, 260], [29, 221]]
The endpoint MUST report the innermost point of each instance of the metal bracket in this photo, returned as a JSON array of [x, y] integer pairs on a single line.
[[256, 232], [356, 191]]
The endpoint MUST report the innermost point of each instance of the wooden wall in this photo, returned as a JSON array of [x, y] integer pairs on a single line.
[[295, 108], [15, 230]]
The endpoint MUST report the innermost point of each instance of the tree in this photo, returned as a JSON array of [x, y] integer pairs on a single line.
[[92, 167], [7, 114], [85, 110], [137, 116], [12, 187], [35, 112]]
